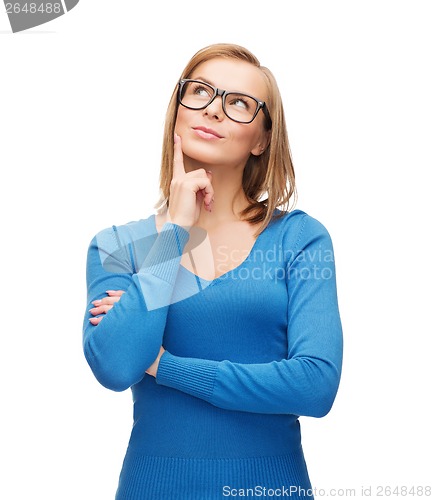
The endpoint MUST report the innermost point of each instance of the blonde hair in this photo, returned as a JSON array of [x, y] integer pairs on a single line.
[[270, 173]]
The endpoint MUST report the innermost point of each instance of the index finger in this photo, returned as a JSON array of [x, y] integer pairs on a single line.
[[178, 168]]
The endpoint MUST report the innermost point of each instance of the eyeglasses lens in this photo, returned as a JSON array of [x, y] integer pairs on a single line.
[[238, 107]]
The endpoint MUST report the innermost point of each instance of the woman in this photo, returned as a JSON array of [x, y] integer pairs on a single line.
[[220, 311]]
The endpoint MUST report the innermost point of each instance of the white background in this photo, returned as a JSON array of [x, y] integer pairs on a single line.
[[82, 106]]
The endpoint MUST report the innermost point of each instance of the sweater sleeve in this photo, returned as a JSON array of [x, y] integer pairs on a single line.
[[127, 340], [304, 383]]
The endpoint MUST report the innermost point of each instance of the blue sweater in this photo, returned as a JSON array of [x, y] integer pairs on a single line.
[[246, 354]]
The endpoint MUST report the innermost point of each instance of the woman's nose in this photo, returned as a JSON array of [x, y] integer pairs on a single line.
[[215, 109]]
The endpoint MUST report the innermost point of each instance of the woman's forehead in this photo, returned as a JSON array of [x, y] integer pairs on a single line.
[[232, 74]]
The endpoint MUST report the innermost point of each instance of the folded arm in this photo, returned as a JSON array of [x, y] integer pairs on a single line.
[[121, 347], [304, 383]]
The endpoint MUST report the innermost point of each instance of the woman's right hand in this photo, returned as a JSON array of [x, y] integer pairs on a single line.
[[188, 190]]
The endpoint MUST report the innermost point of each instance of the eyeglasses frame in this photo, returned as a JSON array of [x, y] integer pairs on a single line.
[[261, 105]]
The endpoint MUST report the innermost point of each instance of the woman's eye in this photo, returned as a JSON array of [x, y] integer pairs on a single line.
[[201, 91], [239, 102]]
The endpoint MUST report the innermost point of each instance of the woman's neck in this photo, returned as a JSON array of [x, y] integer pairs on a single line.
[[229, 198]]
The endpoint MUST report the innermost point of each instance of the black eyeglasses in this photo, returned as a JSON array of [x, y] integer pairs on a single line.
[[239, 107]]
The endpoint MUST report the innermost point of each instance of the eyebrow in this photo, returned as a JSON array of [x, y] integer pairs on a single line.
[[204, 80]]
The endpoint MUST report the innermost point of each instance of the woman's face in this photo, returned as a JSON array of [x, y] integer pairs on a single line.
[[209, 137]]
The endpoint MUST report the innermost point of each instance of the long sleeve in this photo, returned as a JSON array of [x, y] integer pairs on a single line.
[[306, 381], [127, 340]]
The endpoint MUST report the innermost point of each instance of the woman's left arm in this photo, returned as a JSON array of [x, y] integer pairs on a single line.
[[306, 382]]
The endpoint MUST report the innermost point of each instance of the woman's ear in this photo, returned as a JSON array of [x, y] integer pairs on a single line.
[[263, 144]]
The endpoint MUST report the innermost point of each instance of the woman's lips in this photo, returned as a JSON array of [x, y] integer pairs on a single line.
[[207, 133]]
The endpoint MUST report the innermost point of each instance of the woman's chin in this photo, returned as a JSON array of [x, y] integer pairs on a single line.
[[196, 156]]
